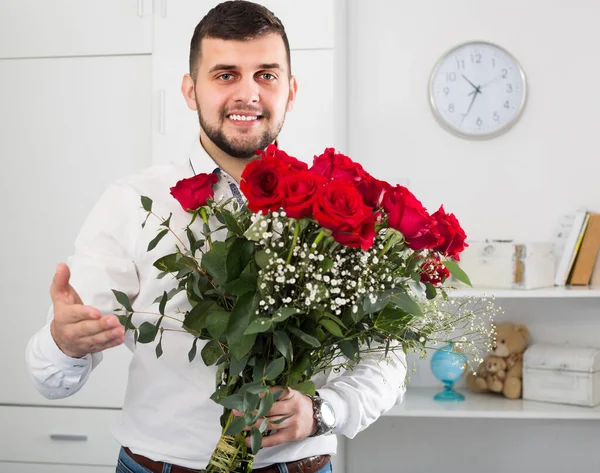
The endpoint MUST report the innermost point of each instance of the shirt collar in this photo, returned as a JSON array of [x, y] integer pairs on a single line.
[[200, 161]]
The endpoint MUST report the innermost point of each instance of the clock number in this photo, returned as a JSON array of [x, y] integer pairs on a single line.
[[479, 121], [476, 58], [504, 73], [496, 117], [509, 88], [460, 63], [450, 76], [451, 108], [506, 104], [446, 90]]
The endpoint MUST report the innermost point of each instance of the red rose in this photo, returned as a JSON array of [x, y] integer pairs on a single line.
[[260, 185], [373, 190], [299, 191], [193, 192], [453, 234], [286, 161], [407, 215], [362, 236], [339, 205], [433, 271], [336, 166]]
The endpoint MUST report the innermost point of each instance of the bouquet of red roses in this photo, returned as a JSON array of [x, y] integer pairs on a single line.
[[318, 267]]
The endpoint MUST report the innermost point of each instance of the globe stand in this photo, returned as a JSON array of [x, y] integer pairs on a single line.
[[449, 394]]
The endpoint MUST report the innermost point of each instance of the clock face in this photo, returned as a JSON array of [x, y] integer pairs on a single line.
[[477, 90]]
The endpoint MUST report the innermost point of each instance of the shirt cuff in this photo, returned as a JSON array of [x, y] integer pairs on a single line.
[[69, 366], [340, 408]]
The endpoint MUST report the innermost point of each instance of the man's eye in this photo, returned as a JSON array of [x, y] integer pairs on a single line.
[[226, 77], [268, 76]]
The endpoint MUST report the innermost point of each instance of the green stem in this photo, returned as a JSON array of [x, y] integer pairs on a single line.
[[204, 216], [296, 235], [320, 236]]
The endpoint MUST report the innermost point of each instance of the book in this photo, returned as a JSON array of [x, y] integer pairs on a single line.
[[587, 255], [572, 243]]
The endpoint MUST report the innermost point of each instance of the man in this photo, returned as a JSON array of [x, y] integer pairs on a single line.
[[241, 85]]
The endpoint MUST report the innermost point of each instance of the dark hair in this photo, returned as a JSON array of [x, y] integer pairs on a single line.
[[236, 20]]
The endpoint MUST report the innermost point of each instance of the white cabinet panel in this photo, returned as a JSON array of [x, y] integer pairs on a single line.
[[69, 128], [41, 28], [58, 435], [10, 467]]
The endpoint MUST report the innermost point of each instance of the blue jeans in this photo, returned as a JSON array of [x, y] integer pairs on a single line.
[[126, 464]]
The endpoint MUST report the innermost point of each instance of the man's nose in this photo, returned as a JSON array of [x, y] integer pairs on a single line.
[[247, 91]]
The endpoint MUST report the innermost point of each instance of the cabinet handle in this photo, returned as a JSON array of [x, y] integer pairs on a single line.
[[140, 8], [161, 111], [163, 10], [71, 437]]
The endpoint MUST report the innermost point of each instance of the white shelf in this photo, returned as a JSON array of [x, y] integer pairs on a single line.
[[418, 402], [551, 292]]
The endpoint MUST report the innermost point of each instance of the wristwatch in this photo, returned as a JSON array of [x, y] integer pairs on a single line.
[[323, 414]]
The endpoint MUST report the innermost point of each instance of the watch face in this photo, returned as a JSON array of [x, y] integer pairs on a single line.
[[477, 90], [327, 414]]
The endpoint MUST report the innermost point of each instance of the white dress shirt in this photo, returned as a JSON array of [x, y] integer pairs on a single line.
[[167, 413]]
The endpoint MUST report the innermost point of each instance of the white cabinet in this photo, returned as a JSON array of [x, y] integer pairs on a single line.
[[70, 127], [10, 467], [56, 435], [39, 28]]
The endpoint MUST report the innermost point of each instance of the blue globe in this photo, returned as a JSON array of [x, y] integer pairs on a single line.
[[448, 366]]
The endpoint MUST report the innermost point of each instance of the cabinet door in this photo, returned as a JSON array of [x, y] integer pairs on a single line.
[[311, 27], [10, 467], [41, 28], [69, 128]]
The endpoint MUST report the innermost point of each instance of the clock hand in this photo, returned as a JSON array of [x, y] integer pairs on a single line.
[[475, 92], [472, 85], [486, 84]]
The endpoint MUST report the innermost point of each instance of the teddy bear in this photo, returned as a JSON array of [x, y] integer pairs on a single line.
[[502, 370]]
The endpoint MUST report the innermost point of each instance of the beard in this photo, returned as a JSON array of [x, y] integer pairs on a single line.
[[244, 146]]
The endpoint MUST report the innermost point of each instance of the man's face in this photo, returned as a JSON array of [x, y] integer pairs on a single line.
[[243, 90]]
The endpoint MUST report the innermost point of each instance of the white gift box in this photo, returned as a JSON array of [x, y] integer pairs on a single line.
[[562, 373], [508, 264]]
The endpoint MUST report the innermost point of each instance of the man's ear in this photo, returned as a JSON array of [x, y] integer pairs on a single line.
[[188, 90], [292, 94]]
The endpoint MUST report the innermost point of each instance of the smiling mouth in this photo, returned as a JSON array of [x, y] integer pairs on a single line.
[[244, 118]]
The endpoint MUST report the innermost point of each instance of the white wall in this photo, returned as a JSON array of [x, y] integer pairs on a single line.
[[514, 186]]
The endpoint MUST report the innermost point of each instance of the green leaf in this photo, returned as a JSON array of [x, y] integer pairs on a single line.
[[242, 314], [163, 303], [381, 301], [191, 237], [214, 261], [327, 264], [250, 402], [123, 300], [231, 222], [216, 323], [256, 387], [349, 349], [238, 287], [284, 313], [259, 370], [156, 239], [307, 387], [174, 262], [262, 259], [192, 352], [458, 273], [335, 318], [126, 322], [255, 440], [332, 327], [255, 231], [265, 405], [306, 338], [237, 366], [260, 325], [167, 222], [406, 303], [283, 344], [430, 291], [159, 350], [195, 320], [147, 203], [283, 419], [148, 332], [234, 259], [235, 401], [236, 426], [393, 320], [275, 368], [211, 352]]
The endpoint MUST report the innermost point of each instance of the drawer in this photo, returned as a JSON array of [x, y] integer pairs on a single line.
[[58, 435], [10, 467]]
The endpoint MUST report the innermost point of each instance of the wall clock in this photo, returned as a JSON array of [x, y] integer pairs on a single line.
[[477, 90]]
